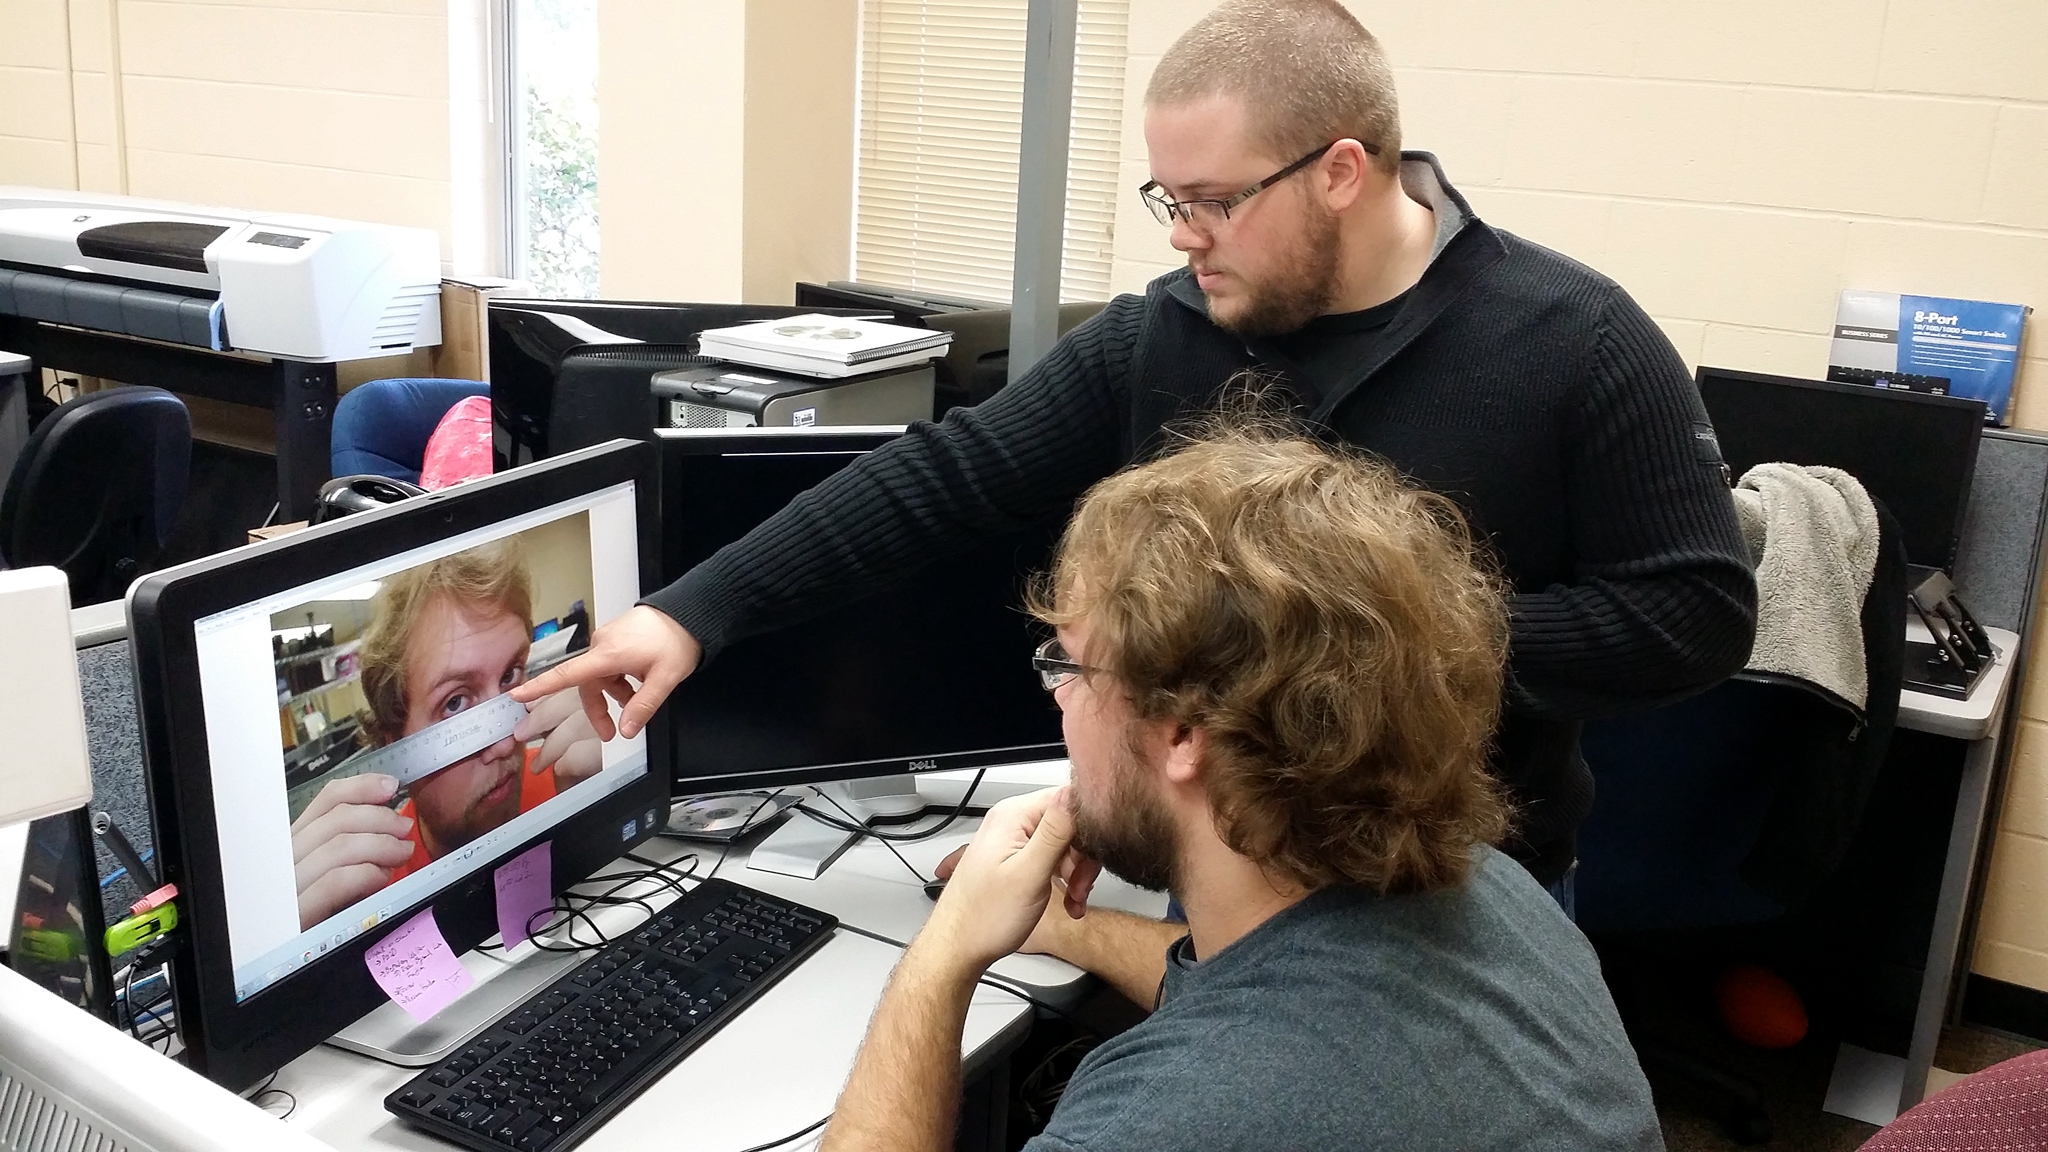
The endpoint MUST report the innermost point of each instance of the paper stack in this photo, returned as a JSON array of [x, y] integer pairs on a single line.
[[832, 347]]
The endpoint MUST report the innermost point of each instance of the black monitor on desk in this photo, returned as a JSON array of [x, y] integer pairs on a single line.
[[931, 673], [273, 680], [1913, 452]]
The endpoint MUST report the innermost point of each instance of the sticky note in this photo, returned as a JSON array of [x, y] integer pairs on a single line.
[[525, 888], [416, 968]]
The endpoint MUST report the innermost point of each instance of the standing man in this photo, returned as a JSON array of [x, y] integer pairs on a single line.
[[1285, 725], [1527, 388]]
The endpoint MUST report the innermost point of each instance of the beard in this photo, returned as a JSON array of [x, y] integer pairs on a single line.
[[1299, 292], [1134, 837]]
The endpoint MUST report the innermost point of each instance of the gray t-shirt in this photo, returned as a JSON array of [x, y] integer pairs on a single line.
[[1466, 1019]]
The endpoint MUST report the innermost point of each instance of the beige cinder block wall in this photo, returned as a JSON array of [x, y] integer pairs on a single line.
[[725, 151], [1734, 166], [339, 109]]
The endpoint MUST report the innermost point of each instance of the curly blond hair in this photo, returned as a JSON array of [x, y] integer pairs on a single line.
[[1332, 629], [493, 574]]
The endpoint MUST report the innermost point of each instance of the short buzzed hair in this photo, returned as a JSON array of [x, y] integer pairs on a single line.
[[1332, 628], [1307, 70]]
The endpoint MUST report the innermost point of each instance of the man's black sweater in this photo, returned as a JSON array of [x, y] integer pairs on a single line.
[[1526, 387]]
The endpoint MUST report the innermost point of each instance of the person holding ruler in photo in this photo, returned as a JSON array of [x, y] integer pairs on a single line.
[[446, 639]]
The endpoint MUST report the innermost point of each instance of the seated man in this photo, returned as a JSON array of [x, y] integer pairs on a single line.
[[1278, 669]]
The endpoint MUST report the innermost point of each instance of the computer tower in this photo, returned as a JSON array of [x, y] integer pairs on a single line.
[[737, 396]]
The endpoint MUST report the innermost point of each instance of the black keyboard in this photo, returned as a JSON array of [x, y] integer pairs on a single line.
[[552, 1070]]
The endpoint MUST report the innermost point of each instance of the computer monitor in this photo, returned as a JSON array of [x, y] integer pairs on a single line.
[[276, 682], [932, 673], [1914, 453]]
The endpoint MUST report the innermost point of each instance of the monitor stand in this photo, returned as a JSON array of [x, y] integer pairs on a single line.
[[502, 984], [803, 847]]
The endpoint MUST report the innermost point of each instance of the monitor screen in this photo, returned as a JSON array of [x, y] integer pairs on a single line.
[[932, 673], [332, 741], [1914, 453]]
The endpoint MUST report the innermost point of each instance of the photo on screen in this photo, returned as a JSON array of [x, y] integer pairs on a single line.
[[400, 743]]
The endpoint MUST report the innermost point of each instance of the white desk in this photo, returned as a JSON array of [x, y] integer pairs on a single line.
[[776, 1067], [1873, 1087]]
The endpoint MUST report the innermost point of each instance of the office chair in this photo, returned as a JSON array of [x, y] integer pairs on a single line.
[[2004, 1108], [1718, 816], [97, 488], [381, 427]]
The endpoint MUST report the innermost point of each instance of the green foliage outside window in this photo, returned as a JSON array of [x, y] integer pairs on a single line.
[[561, 193]]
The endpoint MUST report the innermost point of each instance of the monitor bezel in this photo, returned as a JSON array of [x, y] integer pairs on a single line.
[[851, 440], [1878, 395], [238, 1043]]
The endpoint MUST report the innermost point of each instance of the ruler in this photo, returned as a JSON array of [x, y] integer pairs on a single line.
[[438, 745]]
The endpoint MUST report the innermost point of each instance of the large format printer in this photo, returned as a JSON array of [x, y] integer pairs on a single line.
[[304, 288]]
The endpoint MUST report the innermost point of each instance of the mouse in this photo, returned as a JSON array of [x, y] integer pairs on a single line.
[[935, 888]]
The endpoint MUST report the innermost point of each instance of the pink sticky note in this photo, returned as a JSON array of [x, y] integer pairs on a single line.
[[525, 889], [415, 967]]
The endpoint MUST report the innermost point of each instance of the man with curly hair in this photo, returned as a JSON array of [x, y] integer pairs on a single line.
[[1278, 667]]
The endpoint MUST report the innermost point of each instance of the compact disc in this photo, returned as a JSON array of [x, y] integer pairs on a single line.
[[723, 817]]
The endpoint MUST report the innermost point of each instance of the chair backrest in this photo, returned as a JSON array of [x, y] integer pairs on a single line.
[[1732, 806], [381, 427], [96, 490]]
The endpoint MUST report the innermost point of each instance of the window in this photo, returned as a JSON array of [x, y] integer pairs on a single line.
[[941, 104], [554, 198]]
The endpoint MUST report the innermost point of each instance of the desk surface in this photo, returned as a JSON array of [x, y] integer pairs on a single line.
[[779, 1065], [1971, 719]]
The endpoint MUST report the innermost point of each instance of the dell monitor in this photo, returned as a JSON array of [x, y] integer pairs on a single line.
[[932, 672], [330, 748], [1914, 453]]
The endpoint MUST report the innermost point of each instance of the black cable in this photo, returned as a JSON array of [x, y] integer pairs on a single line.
[[996, 984], [569, 907], [792, 1138], [127, 1001], [889, 840], [961, 809], [257, 1094], [859, 831]]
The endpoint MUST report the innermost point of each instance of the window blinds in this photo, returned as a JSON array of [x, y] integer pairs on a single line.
[[941, 101]]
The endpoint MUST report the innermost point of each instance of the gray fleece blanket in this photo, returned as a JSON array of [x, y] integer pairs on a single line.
[[1812, 534]]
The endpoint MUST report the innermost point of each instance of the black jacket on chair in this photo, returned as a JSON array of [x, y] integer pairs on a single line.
[[1734, 805]]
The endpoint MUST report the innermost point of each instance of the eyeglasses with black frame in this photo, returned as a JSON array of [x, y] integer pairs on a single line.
[[1054, 666], [1209, 213]]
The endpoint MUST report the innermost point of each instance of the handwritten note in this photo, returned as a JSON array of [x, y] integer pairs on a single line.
[[525, 889], [416, 968]]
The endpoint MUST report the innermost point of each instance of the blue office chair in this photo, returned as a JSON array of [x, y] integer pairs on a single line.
[[381, 427]]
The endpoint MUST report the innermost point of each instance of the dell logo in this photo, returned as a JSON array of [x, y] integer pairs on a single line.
[[924, 765]]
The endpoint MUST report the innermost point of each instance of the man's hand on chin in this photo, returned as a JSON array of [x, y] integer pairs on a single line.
[[906, 1080], [1000, 885]]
